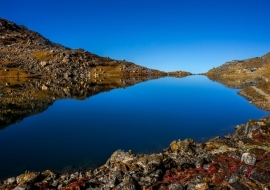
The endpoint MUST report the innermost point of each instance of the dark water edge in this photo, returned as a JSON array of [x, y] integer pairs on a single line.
[[144, 118]]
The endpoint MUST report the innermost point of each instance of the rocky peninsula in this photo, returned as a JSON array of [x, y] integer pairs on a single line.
[[179, 74], [35, 72], [252, 76]]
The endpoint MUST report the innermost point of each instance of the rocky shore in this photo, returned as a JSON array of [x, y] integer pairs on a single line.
[[238, 161], [252, 76]]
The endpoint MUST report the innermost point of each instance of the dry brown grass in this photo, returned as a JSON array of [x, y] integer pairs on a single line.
[[13, 81], [43, 95], [43, 55], [5, 63], [14, 73]]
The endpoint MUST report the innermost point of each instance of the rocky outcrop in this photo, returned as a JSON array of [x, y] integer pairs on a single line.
[[179, 74], [238, 161], [252, 75]]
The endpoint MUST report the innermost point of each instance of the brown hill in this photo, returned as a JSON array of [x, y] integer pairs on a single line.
[[252, 75], [24, 53]]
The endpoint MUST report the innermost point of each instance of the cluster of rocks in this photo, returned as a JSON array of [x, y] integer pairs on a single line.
[[238, 161]]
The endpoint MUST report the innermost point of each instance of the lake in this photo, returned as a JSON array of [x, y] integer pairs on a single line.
[[143, 118]]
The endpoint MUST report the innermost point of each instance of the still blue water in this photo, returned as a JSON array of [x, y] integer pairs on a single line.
[[144, 118]]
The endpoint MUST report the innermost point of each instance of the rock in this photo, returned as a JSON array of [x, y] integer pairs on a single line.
[[175, 186], [47, 173], [234, 178], [127, 184], [201, 186], [238, 186], [184, 147], [20, 188], [260, 177], [121, 157], [249, 159], [44, 87], [10, 180], [43, 63], [110, 180], [27, 177], [149, 163]]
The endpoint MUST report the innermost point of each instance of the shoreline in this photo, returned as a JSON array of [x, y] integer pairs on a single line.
[[237, 161]]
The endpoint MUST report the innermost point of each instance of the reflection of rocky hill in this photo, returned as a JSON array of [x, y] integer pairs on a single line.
[[26, 56], [252, 75], [19, 100]]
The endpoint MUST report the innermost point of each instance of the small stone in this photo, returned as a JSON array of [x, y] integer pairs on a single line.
[[44, 87], [26, 177], [249, 159], [238, 186], [43, 63], [55, 183], [11, 180], [201, 186], [175, 186], [234, 178], [19, 188]]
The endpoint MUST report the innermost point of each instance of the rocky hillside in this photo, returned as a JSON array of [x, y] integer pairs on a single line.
[[24, 53], [252, 75]]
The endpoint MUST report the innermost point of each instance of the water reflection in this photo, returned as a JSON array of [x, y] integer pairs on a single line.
[[144, 118], [20, 99]]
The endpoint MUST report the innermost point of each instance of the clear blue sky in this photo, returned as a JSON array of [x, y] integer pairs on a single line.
[[191, 35]]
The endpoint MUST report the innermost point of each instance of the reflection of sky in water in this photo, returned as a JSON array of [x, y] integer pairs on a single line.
[[143, 118]]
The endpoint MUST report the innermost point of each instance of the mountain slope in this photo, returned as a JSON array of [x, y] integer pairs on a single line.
[[24, 53], [252, 75]]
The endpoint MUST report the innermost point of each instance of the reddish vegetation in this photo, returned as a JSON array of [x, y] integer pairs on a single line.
[[216, 174], [76, 184]]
